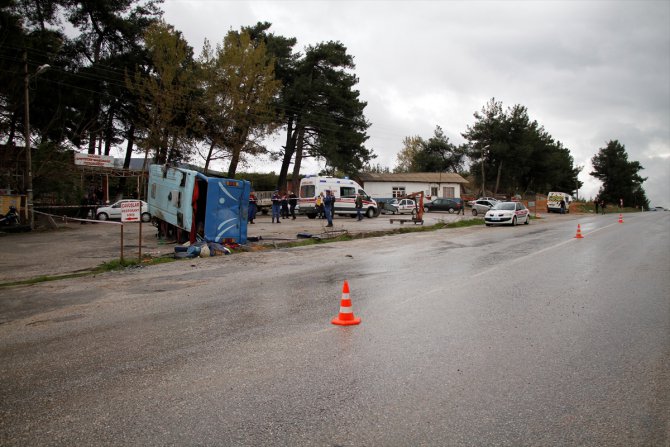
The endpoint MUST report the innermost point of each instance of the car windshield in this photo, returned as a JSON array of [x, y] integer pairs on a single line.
[[508, 206]]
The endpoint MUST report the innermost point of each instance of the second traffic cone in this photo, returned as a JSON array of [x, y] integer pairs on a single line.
[[346, 315], [579, 232], [620, 218]]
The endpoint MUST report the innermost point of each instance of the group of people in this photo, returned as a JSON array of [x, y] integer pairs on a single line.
[[283, 206], [599, 204]]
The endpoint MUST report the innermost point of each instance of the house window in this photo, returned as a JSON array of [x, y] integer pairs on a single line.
[[449, 191], [434, 191], [398, 191]]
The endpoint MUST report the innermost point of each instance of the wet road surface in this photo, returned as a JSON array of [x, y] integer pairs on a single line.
[[480, 336]]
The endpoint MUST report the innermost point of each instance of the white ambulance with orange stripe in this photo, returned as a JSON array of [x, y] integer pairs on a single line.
[[344, 190]]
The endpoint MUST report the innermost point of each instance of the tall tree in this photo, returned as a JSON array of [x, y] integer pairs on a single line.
[[411, 147], [107, 29], [239, 91], [325, 117], [512, 153], [619, 176], [166, 94], [437, 154]]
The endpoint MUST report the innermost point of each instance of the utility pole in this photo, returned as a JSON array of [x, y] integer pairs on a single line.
[[29, 157]]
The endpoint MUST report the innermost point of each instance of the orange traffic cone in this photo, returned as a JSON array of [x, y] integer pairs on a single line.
[[620, 218], [579, 232], [346, 315]]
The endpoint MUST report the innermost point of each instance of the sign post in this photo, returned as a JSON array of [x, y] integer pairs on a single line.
[[132, 212]]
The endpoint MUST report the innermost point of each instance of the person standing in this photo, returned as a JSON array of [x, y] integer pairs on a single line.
[[319, 206], [562, 206], [292, 203], [328, 203], [284, 207], [252, 208], [462, 207], [276, 205], [595, 203], [602, 206], [358, 202]]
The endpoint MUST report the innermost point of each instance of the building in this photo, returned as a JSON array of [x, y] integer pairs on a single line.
[[433, 184]]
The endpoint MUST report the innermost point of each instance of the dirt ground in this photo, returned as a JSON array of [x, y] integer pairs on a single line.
[[73, 246]]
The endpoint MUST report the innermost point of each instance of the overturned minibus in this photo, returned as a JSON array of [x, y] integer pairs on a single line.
[[187, 204]]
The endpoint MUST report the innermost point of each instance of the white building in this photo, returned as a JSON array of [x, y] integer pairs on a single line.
[[433, 184]]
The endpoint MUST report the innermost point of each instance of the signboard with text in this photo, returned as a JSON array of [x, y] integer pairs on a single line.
[[100, 161], [131, 211]]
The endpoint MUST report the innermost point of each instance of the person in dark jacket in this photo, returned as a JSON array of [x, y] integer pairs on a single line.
[[292, 203], [252, 208], [328, 205], [284, 207], [359, 206], [276, 205]]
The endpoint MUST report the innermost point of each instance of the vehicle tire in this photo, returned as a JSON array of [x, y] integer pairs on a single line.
[[414, 212], [264, 211], [474, 212], [451, 211], [514, 221], [426, 209], [527, 220], [146, 217], [311, 216], [370, 213], [488, 225], [102, 216]]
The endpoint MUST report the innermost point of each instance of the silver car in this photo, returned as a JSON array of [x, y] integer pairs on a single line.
[[481, 206]]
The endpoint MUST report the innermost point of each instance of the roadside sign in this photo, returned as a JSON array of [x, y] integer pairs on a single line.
[[131, 211], [93, 160]]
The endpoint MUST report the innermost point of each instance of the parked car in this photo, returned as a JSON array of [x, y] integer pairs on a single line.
[[511, 213], [387, 205], [113, 211], [406, 206], [450, 205], [490, 199], [481, 206]]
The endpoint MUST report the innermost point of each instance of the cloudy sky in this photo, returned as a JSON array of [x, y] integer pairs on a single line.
[[588, 71]]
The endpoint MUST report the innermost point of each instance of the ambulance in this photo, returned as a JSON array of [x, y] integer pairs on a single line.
[[554, 202], [344, 190]]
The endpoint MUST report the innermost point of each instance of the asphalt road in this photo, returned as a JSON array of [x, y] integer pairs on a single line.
[[478, 336], [73, 247]]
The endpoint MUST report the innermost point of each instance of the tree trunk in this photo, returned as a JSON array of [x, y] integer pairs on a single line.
[[129, 151], [234, 160], [289, 148], [209, 156], [483, 178], [498, 177], [295, 179], [129, 147]]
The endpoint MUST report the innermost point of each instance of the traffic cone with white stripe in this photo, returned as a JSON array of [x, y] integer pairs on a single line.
[[346, 315], [579, 232], [620, 218]]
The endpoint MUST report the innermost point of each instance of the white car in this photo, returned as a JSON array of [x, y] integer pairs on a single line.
[[481, 206], [507, 213], [406, 206], [113, 211]]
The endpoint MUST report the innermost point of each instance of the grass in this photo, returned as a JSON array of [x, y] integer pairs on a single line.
[[109, 266], [117, 264]]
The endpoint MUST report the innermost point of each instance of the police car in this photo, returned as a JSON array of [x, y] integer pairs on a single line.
[[507, 213]]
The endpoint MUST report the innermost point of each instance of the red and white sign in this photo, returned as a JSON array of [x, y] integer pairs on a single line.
[[131, 211], [101, 161]]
